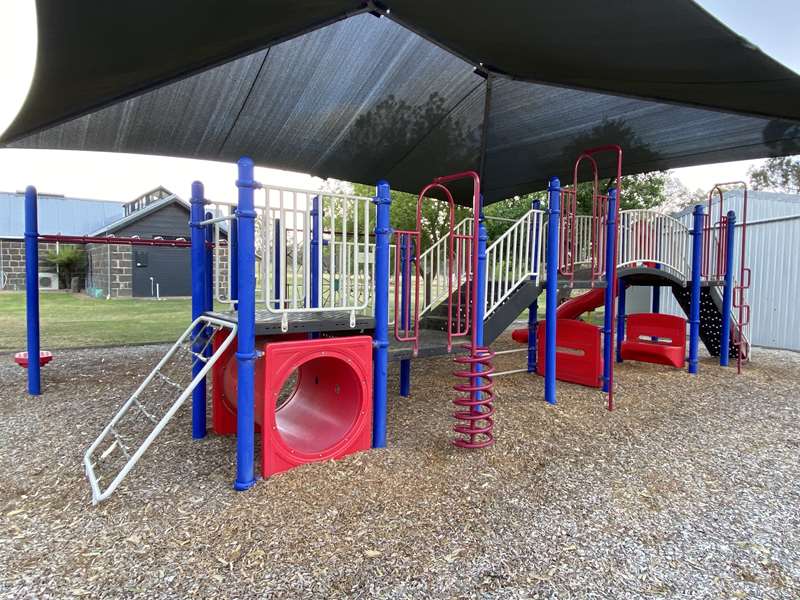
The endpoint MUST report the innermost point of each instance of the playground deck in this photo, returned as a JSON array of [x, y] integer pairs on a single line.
[[688, 488]]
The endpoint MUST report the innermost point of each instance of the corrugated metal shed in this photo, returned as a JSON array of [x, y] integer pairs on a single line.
[[773, 255], [57, 215]]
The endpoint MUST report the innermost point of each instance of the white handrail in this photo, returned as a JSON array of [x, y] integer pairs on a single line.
[[646, 236], [435, 270], [514, 257]]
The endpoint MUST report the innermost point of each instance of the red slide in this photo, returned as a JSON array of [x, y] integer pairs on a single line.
[[571, 309]]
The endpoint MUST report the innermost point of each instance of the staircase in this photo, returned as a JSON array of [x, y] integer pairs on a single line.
[[710, 318], [512, 267]]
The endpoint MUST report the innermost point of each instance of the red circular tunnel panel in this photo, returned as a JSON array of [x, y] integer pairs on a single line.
[[326, 414]]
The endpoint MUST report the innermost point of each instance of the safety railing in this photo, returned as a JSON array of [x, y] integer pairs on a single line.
[[513, 257], [435, 269], [319, 252], [650, 238]]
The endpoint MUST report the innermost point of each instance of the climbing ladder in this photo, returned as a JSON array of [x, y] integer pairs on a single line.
[[145, 414]]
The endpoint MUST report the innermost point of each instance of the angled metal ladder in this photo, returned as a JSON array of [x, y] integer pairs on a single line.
[[145, 414]]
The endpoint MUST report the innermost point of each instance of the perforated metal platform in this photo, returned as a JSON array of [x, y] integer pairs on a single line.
[[268, 323]]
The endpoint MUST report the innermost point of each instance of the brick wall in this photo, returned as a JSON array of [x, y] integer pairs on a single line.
[[12, 262], [121, 265]]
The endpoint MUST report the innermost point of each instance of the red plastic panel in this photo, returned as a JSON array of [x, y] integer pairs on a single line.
[[579, 352], [327, 414], [669, 331]]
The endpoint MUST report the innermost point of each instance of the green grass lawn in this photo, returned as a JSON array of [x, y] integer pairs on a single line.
[[75, 320]]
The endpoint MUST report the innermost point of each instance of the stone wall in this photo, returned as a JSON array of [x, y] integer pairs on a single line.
[[121, 265], [12, 262]]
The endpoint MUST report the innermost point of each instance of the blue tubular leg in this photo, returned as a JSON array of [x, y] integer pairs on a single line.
[[533, 309], [727, 293], [554, 214], [380, 355], [405, 311], [621, 287], [32, 289], [608, 317], [246, 343], [656, 299], [199, 298], [694, 310]]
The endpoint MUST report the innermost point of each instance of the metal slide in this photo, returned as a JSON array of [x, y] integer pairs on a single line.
[[145, 414]]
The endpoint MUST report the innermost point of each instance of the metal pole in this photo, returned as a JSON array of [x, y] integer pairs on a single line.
[[246, 342], [656, 299], [198, 265], [383, 201], [727, 292], [209, 248], [608, 317], [554, 212], [316, 271], [32, 289], [276, 270], [405, 312], [694, 310], [233, 253], [533, 309], [622, 288]]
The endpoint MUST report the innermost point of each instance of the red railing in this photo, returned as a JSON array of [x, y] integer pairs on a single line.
[[713, 267]]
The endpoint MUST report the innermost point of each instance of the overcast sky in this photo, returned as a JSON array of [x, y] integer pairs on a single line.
[[770, 24]]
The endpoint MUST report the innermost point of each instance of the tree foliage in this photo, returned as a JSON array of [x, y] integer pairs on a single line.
[[69, 261], [777, 174]]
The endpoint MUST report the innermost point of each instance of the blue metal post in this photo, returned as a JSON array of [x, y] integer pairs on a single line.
[[380, 355], [694, 310], [533, 309], [233, 252], [405, 312], [608, 317], [656, 299], [316, 235], [198, 255], [479, 308], [621, 287], [246, 341], [727, 293], [277, 264], [554, 215], [32, 289]]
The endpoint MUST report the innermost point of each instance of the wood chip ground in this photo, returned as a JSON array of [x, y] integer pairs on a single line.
[[691, 488]]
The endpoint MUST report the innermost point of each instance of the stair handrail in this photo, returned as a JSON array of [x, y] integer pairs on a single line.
[[433, 264], [517, 258]]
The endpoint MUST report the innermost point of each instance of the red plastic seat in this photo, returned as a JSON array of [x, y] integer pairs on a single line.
[[21, 358], [655, 338]]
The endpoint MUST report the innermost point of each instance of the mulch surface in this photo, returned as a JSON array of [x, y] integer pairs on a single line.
[[691, 487]]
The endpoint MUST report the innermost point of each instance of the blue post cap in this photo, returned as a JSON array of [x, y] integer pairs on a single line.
[[553, 184], [197, 192], [699, 209]]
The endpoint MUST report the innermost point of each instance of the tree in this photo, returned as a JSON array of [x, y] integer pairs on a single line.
[[69, 261], [780, 174]]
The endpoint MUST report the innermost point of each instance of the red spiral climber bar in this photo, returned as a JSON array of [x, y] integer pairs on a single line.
[[475, 400]]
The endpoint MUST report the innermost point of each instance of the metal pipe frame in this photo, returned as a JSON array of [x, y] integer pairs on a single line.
[[245, 348], [727, 293], [380, 354], [199, 277], [32, 289], [694, 308], [553, 225]]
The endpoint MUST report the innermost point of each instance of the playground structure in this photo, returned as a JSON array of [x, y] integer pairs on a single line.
[[311, 277]]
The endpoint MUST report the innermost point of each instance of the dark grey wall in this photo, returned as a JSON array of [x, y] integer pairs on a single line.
[[170, 221]]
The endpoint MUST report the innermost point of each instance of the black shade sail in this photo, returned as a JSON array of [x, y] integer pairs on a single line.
[[513, 89]]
